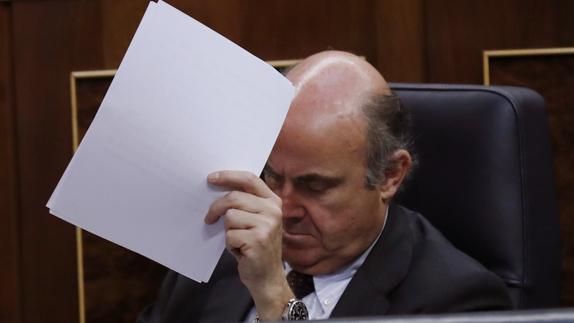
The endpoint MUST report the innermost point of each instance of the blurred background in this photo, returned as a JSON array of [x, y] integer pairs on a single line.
[[43, 41]]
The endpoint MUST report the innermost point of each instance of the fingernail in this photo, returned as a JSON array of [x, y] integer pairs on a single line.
[[212, 177]]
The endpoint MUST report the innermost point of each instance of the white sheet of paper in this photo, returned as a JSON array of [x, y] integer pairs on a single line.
[[185, 102]]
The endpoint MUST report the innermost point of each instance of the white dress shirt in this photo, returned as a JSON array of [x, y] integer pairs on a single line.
[[328, 288]]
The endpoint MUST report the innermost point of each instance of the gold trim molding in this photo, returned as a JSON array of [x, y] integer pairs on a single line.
[[487, 54]]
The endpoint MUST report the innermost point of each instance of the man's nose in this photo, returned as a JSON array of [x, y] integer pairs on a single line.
[[291, 201]]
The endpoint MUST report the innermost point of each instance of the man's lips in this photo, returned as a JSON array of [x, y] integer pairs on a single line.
[[296, 231], [297, 237]]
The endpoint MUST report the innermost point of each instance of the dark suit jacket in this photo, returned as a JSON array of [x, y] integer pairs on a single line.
[[411, 269]]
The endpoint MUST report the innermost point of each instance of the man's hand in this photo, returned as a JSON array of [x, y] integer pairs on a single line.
[[253, 226]]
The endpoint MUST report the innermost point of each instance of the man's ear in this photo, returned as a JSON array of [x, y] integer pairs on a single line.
[[399, 165]]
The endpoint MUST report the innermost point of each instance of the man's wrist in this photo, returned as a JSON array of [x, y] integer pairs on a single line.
[[270, 305], [295, 310]]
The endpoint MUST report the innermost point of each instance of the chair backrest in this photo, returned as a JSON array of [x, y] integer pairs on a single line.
[[485, 180]]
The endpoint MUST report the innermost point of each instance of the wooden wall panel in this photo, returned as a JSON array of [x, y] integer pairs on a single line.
[[9, 228], [458, 31], [120, 20], [51, 39], [400, 40]]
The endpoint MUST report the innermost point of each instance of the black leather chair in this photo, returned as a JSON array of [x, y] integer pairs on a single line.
[[485, 180]]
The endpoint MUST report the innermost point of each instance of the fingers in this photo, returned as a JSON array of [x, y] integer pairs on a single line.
[[232, 200], [241, 181], [241, 220], [241, 230], [250, 194], [237, 241], [246, 242], [241, 201]]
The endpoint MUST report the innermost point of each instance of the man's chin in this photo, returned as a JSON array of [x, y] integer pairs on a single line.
[[300, 263], [307, 264], [300, 259]]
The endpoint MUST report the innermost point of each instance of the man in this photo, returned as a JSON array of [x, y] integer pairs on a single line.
[[325, 210]]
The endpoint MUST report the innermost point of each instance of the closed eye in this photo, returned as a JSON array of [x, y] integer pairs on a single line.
[[310, 183], [316, 184], [271, 178]]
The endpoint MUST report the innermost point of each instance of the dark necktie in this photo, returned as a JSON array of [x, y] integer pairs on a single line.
[[301, 284]]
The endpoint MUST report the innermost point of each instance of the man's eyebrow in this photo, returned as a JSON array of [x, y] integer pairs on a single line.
[[268, 169], [313, 177], [307, 178]]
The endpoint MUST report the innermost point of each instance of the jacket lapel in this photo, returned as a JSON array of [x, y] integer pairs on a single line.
[[384, 269]]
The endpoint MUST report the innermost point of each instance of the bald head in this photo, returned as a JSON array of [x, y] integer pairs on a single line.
[[336, 81], [342, 96], [338, 70], [331, 89]]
